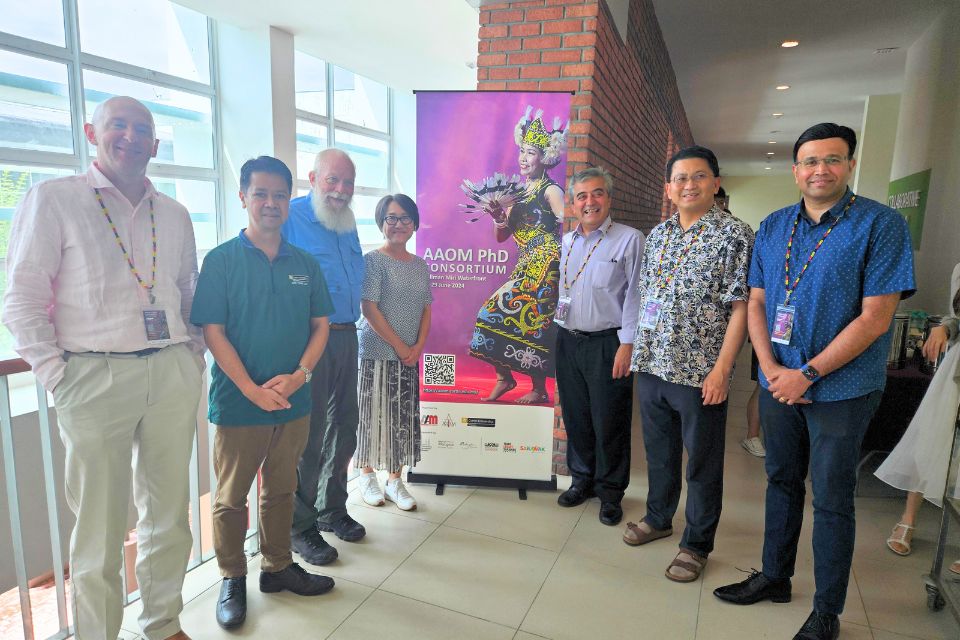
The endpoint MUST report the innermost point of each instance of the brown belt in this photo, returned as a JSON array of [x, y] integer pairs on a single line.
[[343, 326]]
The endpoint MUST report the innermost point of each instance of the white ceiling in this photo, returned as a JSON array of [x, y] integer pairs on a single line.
[[728, 61], [407, 44]]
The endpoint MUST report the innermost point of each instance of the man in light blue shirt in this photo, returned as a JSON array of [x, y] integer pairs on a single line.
[[322, 224]]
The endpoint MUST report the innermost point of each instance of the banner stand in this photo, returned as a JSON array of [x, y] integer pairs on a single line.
[[478, 481]]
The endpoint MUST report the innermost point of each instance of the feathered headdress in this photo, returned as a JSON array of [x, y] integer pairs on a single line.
[[532, 131]]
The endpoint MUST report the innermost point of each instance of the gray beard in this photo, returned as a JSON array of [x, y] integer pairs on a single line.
[[342, 221]]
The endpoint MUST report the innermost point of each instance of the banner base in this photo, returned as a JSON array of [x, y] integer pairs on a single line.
[[478, 481]]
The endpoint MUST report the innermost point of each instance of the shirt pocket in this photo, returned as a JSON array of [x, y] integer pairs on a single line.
[[607, 276]]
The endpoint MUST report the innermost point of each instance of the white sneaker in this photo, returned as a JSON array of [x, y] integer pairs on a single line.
[[754, 447], [397, 492], [370, 489]]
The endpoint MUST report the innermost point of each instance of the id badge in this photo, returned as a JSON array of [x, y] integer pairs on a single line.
[[155, 324], [783, 324], [563, 311], [652, 308]]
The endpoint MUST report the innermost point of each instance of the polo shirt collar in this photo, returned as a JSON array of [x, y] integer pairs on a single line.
[[284, 249]]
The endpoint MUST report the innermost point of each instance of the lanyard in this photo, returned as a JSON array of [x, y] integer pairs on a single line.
[[666, 283], [569, 285], [153, 237], [786, 268]]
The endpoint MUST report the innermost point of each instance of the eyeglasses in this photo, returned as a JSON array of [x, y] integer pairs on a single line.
[[395, 220], [830, 161], [683, 179]]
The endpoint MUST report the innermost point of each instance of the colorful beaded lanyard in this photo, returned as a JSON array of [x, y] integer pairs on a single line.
[[153, 237], [569, 285], [786, 268], [666, 283]]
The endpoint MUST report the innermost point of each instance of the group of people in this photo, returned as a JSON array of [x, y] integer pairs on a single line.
[[122, 351], [279, 306], [816, 288]]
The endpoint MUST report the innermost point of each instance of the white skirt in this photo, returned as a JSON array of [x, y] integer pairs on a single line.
[[920, 460]]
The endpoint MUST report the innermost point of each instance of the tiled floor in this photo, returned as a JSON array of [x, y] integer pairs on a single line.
[[479, 563]]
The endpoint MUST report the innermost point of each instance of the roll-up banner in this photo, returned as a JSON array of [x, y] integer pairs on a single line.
[[490, 188]]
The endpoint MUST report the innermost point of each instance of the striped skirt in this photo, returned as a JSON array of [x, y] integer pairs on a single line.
[[389, 433]]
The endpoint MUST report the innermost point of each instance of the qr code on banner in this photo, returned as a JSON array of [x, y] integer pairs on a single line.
[[439, 369]]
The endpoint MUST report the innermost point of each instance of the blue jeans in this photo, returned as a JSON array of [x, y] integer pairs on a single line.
[[825, 436]]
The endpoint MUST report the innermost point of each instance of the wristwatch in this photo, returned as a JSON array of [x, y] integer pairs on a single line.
[[810, 373], [306, 372]]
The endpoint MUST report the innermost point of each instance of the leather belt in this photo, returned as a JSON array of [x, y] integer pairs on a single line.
[[142, 353], [593, 334], [343, 326]]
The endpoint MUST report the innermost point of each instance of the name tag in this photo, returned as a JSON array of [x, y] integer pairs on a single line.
[[156, 327], [650, 314], [783, 324], [563, 311]]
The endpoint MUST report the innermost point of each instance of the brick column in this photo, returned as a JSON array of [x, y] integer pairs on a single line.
[[626, 114]]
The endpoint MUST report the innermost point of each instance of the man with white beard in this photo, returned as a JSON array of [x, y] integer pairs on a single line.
[[322, 224]]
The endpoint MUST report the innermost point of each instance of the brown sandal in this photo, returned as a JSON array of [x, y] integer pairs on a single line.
[[635, 536], [695, 567]]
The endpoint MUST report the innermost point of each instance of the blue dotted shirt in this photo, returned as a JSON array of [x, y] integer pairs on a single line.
[[867, 254], [339, 255]]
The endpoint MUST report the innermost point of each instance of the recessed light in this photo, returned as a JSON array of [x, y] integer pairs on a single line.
[[789, 44], [770, 153], [767, 168], [782, 87], [777, 115], [771, 142]]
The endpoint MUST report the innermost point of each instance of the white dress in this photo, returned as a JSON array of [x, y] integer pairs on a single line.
[[919, 461]]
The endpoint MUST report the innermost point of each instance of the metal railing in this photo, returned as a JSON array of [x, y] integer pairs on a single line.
[[52, 493]]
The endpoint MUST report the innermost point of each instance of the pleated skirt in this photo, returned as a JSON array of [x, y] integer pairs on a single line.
[[389, 433]]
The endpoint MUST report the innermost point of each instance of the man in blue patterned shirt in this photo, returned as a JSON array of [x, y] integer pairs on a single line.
[[826, 276], [693, 321]]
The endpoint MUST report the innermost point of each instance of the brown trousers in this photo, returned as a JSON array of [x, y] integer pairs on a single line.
[[238, 453]]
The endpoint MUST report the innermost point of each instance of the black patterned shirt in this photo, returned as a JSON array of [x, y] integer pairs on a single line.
[[697, 300]]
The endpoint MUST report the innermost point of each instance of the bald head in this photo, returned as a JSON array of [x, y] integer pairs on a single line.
[[120, 103], [123, 132]]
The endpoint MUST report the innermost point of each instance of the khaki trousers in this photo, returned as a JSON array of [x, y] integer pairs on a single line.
[[118, 415], [238, 453]]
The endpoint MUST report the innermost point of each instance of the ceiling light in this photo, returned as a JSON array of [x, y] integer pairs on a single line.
[[767, 168], [777, 115], [771, 142], [789, 44], [782, 87], [770, 153], [885, 50]]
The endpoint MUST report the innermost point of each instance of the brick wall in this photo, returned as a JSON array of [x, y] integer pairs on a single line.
[[626, 113]]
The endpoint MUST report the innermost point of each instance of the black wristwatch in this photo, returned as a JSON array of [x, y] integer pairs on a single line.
[[810, 373]]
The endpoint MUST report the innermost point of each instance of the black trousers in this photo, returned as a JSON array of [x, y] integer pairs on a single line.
[[674, 417], [597, 410]]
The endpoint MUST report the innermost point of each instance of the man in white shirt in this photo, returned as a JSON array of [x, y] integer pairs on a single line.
[[101, 269]]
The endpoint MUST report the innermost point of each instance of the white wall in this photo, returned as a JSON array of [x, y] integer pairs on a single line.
[[878, 135], [753, 198], [928, 137]]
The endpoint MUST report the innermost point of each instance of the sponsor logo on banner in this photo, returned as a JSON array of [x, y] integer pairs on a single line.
[[426, 445], [491, 446], [533, 449], [430, 420], [509, 448], [467, 445], [479, 422], [445, 444], [448, 421]]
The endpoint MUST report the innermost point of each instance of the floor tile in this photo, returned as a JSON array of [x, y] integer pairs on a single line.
[[430, 506], [586, 599], [492, 579], [392, 616]]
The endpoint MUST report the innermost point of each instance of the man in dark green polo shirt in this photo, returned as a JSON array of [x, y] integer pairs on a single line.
[[263, 305]]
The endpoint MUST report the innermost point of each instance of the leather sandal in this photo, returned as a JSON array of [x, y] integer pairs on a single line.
[[695, 567], [900, 538], [635, 536]]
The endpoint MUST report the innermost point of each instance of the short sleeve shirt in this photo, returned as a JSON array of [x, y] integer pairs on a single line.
[[867, 254], [697, 275], [401, 291], [266, 308]]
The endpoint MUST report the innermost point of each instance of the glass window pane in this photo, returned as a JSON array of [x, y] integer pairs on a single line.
[[310, 83], [34, 104], [42, 21], [155, 34], [371, 157], [363, 208], [184, 121], [199, 197], [311, 140], [14, 183], [359, 100]]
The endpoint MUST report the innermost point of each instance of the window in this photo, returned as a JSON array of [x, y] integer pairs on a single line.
[[34, 104], [43, 21], [360, 101]]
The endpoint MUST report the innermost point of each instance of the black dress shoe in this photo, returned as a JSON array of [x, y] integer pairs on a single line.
[[611, 513], [754, 589], [819, 626], [312, 547], [574, 495], [346, 528], [296, 580], [232, 604]]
